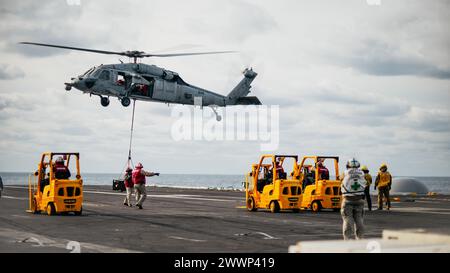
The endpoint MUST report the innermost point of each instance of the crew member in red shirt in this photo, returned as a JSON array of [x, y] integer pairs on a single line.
[[279, 168], [324, 174], [129, 186], [138, 177], [60, 169]]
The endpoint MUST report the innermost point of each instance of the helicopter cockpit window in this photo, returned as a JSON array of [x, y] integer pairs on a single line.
[[105, 75], [88, 72], [95, 73]]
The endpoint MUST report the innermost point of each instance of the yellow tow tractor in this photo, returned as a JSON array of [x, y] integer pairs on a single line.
[[268, 187], [53, 188], [319, 176]]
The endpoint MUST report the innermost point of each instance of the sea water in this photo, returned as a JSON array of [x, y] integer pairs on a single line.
[[200, 181]]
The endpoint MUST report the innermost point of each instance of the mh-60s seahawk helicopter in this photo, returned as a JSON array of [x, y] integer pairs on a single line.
[[145, 82]]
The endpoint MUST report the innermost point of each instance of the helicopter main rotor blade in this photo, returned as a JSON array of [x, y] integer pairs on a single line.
[[186, 54], [131, 53], [176, 48], [76, 48]]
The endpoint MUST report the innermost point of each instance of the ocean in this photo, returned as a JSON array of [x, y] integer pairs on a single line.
[[200, 181]]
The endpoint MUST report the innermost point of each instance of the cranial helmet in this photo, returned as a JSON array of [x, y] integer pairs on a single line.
[[353, 163], [139, 166]]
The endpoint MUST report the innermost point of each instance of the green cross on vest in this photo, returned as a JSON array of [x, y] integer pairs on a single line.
[[355, 186]]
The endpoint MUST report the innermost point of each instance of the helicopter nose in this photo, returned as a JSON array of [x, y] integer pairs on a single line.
[[76, 82], [84, 83]]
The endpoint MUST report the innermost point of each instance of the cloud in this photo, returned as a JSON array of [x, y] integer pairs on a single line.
[[237, 21], [337, 119], [35, 21], [381, 59], [15, 102], [350, 106], [10, 72], [397, 38], [75, 130], [334, 93], [431, 120]]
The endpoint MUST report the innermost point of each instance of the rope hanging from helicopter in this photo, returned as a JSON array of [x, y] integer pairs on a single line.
[[129, 163], [131, 137]]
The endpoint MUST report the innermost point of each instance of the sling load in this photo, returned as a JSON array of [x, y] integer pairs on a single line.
[[119, 184]]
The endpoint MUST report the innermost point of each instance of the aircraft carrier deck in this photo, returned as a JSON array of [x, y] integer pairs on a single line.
[[187, 220]]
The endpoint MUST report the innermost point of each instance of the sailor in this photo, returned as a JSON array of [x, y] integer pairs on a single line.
[[383, 182], [279, 168], [352, 210], [60, 169], [138, 176], [129, 186], [1, 186], [368, 178], [324, 173]]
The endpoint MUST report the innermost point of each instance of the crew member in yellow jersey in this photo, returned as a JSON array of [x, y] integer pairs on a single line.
[[383, 182], [368, 178]]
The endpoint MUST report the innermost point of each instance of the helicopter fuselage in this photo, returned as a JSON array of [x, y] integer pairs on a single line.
[[145, 82]]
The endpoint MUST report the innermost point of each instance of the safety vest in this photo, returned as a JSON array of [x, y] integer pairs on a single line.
[[385, 179], [138, 177], [368, 178], [280, 169], [60, 168], [353, 183], [128, 180]]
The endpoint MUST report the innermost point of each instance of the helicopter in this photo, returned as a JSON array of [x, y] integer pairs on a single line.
[[139, 81]]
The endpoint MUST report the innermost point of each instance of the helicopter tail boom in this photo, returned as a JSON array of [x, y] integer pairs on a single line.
[[239, 93]]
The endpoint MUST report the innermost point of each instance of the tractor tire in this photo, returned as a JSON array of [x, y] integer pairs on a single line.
[[51, 209], [78, 213], [34, 208], [274, 207], [251, 206], [316, 206]]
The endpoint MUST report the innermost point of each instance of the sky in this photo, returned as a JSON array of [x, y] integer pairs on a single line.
[[364, 79]]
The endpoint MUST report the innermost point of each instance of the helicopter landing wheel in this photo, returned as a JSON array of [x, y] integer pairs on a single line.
[[104, 101], [125, 101]]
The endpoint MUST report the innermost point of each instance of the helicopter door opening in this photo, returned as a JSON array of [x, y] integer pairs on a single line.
[[124, 79], [142, 86], [120, 80]]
